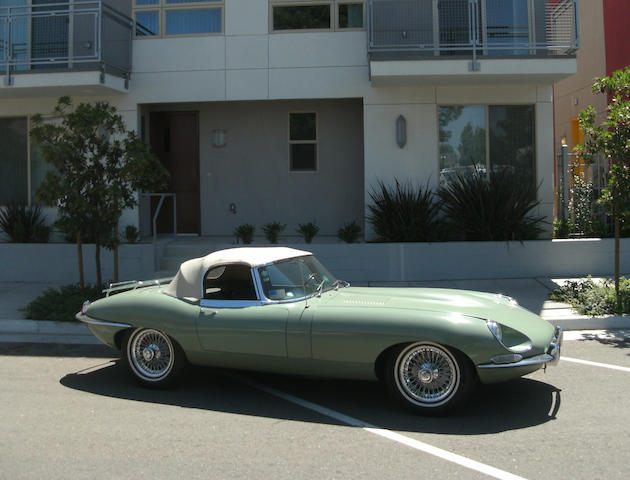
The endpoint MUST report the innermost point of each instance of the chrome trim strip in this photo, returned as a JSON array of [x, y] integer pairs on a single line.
[[92, 321], [212, 303]]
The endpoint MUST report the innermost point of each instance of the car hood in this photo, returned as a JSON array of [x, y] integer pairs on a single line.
[[481, 305]]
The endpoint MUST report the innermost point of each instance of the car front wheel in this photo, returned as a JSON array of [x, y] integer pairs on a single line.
[[428, 378], [154, 359]]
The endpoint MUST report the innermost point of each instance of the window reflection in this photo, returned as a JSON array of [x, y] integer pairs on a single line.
[[479, 137]]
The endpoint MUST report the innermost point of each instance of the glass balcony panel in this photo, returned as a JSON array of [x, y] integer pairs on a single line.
[[507, 25], [64, 36], [436, 28]]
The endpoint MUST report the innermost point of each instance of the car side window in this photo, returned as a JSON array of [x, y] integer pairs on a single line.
[[229, 282]]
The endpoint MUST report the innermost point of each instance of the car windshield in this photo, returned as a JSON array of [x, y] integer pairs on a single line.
[[295, 279]]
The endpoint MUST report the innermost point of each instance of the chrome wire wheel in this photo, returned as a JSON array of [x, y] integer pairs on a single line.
[[151, 355], [427, 375]]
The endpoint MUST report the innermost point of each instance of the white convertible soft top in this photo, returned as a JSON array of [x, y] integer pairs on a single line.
[[187, 282]]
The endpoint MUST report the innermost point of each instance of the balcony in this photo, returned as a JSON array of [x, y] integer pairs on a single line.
[[411, 41], [75, 48]]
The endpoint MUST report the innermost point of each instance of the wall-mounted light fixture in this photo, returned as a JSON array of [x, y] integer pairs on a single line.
[[401, 131], [219, 138]]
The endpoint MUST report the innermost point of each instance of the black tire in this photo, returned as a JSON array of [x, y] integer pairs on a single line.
[[428, 378], [154, 359]]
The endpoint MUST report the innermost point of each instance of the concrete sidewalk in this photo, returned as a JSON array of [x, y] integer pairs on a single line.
[[531, 293]]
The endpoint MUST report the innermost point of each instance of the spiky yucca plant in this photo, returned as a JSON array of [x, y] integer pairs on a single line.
[[273, 230], [244, 233], [308, 231], [350, 232], [404, 213], [493, 206], [24, 224]]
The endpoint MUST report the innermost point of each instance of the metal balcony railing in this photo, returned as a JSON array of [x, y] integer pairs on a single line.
[[446, 28], [78, 35]]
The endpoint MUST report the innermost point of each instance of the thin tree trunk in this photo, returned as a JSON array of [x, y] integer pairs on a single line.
[[97, 250], [80, 259], [617, 235], [116, 253]]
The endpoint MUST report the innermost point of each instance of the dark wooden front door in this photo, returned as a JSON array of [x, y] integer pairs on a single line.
[[175, 141]]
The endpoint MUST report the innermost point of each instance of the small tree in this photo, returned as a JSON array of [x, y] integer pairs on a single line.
[[612, 139], [98, 168]]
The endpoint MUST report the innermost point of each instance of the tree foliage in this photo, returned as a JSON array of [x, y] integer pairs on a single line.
[[611, 139], [98, 167]]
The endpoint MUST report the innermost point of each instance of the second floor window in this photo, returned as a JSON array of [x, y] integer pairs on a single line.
[[159, 18], [294, 15]]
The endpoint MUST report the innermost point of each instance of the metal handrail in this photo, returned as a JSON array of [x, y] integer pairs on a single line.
[[161, 196], [402, 26], [17, 55]]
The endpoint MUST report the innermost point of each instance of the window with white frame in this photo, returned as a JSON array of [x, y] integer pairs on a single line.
[[303, 142], [160, 18], [296, 15]]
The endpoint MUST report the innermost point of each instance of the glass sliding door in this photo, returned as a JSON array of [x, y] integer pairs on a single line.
[[462, 140], [486, 138], [13, 161], [511, 139]]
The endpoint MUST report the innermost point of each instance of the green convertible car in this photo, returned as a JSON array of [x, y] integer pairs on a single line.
[[279, 310]]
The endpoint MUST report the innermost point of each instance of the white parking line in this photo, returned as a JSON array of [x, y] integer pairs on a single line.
[[396, 437], [594, 364]]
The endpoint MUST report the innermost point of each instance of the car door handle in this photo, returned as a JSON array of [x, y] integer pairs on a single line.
[[207, 311]]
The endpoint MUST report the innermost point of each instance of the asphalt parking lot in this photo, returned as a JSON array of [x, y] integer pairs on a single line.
[[72, 412]]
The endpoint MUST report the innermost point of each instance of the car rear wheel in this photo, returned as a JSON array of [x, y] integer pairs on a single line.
[[428, 378], [154, 359]]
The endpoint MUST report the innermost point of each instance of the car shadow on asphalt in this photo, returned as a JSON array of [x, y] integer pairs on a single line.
[[497, 408], [30, 349], [610, 338]]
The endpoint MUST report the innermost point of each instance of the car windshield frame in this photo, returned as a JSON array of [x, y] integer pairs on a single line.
[[294, 279]]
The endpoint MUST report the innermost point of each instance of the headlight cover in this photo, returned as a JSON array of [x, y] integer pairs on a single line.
[[511, 339], [85, 306], [496, 330]]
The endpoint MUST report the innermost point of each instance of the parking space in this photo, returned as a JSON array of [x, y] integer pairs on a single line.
[[70, 411]]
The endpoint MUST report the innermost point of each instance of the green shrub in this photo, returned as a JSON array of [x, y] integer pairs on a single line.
[[308, 231], [493, 206], [273, 230], [561, 228], [131, 234], [404, 213], [350, 232], [244, 233], [24, 224], [61, 305], [591, 298]]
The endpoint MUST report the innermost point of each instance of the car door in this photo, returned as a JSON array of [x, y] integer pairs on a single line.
[[232, 319]]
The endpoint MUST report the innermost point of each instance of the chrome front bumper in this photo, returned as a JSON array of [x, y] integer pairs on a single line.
[[551, 357], [81, 317]]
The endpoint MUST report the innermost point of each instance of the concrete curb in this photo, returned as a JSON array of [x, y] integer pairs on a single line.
[[592, 323], [41, 331]]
